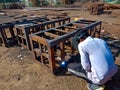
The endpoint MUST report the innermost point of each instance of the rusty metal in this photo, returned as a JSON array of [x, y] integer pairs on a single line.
[[52, 45], [7, 31], [24, 30], [96, 8]]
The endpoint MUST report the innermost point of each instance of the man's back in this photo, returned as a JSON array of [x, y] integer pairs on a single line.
[[97, 60]]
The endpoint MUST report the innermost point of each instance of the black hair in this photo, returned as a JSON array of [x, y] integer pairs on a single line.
[[85, 35], [77, 37]]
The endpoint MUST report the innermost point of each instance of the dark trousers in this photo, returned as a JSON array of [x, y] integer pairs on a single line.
[[75, 67]]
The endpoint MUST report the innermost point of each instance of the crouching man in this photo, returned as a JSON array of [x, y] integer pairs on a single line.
[[97, 63]]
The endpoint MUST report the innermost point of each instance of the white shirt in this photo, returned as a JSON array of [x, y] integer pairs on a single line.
[[97, 60]]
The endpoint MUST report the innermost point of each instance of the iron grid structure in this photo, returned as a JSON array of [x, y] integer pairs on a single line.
[[53, 45], [8, 32], [24, 30]]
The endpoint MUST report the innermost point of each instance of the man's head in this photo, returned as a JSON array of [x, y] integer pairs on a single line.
[[82, 35], [79, 37]]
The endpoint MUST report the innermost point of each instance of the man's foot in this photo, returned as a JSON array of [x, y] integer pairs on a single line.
[[95, 87]]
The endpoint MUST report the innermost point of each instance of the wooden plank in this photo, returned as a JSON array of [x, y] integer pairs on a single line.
[[32, 48], [40, 40], [49, 22], [40, 53], [51, 35], [70, 27], [54, 28], [23, 45], [51, 59], [60, 30], [85, 21], [1, 40], [3, 37], [27, 41], [60, 39], [62, 50], [68, 47], [12, 32], [79, 25], [21, 36]]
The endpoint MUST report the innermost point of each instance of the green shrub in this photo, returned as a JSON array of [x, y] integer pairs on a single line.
[[2, 5], [45, 3]]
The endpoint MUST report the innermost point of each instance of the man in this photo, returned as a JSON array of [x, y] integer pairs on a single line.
[[97, 63]]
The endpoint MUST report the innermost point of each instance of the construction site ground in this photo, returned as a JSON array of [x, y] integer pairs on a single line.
[[18, 69]]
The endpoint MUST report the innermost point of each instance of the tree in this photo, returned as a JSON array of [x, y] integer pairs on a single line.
[[35, 2]]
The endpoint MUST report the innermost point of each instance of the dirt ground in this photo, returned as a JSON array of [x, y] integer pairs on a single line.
[[19, 71]]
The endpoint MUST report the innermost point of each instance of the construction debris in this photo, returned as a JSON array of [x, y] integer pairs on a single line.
[[96, 8]]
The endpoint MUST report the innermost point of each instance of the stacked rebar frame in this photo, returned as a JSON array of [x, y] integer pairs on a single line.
[[8, 32], [52, 45], [24, 30], [49, 39]]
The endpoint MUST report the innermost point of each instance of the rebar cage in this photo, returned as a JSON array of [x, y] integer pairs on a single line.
[[23, 31], [53, 45]]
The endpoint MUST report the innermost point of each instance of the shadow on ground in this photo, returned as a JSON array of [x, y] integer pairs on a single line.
[[114, 45], [114, 83]]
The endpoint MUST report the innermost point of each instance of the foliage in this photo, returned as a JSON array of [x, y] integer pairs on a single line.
[[7, 1], [113, 1], [45, 3], [38, 3], [58, 3], [2, 5]]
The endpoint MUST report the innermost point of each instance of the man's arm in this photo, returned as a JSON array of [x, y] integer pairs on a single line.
[[85, 62]]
